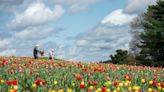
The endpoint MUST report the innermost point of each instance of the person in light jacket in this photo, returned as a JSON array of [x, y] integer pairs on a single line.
[[51, 54]]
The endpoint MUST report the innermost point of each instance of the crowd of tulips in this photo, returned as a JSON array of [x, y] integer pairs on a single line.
[[30, 75]]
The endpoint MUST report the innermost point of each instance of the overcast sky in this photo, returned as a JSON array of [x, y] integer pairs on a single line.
[[82, 30]]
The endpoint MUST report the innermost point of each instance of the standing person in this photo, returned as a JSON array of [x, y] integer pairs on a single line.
[[51, 54], [35, 51]]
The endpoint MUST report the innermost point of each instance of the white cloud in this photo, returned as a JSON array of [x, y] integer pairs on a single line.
[[76, 6], [75, 1], [36, 13], [106, 38], [138, 6], [81, 42], [8, 52], [111, 34], [9, 5], [117, 17], [34, 33], [5, 42]]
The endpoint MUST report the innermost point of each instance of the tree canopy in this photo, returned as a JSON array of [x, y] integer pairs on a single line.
[[152, 38]]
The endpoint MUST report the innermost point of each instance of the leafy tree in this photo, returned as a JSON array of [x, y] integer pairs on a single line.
[[152, 38], [119, 57]]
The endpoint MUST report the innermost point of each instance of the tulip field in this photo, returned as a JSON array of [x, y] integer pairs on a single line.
[[43, 75]]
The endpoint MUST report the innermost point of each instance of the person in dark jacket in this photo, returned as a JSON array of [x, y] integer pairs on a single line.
[[36, 51]]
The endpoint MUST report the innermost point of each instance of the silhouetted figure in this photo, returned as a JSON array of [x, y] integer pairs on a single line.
[[35, 51]]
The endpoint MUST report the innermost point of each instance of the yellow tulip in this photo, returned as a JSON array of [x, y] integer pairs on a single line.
[[129, 82], [69, 90], [120, 84], [142, 80], [99, 89], [55, 82], [2, 81], [82, 83], [134, 88], [162, 89], [11, 90], [126, 84], [91, 87], [159, 88], [108, 90], [52, 90], [150, 82], [73, 84], [123, 81], [33, 85], [129, 88], [15, 87], [118, 89], [60, 90], [150, 90], [108, 83]]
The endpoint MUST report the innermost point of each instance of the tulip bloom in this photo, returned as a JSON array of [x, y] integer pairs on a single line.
[[115, 83], [95, 83], [38, 81], [9, 82], [103, 89], [82, 86], [79, 78], [15, 82]]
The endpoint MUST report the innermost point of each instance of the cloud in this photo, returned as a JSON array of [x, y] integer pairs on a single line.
[[4, 35], [8, 52], [9, 5], [4, 43], [138, 6], [75, 6], [105, 38], [98, 43], [117, 17], [78, 7], [35, 14], [33, 33], [112, 33], [71, 2]]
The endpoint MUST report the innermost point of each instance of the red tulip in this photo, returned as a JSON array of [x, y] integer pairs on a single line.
[[15, 82], [103, 89], [125, 76], [162, 85], [70, 67], [9, 82], [104, 70], [129, 79], [82, 86], [44, 83], [95, 83], [38, 81], [89, 82], [79, 78], [115, 83], [154, 83]]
